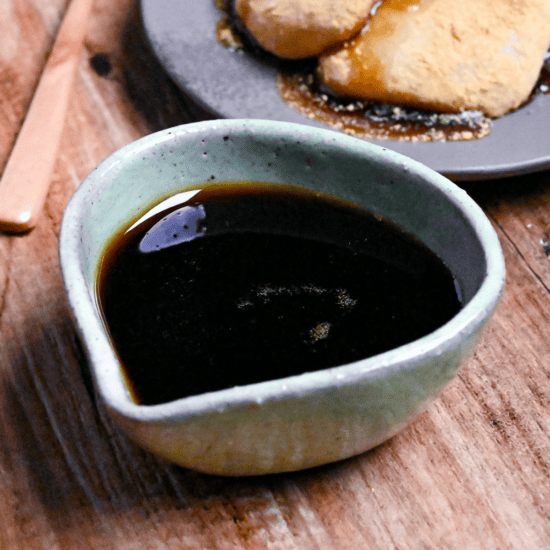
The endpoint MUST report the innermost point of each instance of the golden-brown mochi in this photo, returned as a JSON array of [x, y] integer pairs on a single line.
[[296, 29], [445, 55]]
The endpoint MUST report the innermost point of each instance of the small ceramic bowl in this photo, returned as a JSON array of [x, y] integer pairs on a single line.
[[314, 418]]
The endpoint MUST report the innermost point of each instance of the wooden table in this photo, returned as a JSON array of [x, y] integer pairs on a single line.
[[472, 473]]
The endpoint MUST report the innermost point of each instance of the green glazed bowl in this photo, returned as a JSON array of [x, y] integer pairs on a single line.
[[314, 418]]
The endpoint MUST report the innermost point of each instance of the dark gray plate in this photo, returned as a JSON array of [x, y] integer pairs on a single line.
[[232, 84]]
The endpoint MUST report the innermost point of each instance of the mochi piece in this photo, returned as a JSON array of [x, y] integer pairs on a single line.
[[445, 55], [296, 29]]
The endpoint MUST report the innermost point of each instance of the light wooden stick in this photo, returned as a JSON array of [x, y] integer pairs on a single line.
[[26, 179]]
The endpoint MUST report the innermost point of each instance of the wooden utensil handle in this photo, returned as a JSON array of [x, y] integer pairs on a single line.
[[27, 175]]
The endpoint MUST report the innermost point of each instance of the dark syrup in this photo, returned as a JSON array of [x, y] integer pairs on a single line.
[[244, 284]]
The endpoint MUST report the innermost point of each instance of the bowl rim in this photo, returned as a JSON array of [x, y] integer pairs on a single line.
[[102, 358]]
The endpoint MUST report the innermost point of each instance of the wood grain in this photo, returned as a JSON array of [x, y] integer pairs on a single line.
[[473, 472]]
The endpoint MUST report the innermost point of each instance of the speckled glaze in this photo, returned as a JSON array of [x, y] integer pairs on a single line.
[[314, 418]]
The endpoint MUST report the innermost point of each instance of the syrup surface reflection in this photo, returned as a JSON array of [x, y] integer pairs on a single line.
[[180, 226]]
